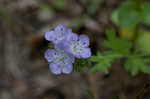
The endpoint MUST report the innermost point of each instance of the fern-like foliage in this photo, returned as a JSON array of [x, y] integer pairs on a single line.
[[136, 63], [102, 62], [117, 45], [119, 48]]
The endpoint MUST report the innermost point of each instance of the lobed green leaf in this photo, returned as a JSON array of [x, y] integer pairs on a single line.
[[102, 62], [117, 45], [136, 63]]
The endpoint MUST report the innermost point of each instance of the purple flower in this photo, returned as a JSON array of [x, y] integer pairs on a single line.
[[57, 35], [78, 45], [60, 61], [67, 46]]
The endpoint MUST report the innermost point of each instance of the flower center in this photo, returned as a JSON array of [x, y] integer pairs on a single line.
[[61, 58], [76, 47]]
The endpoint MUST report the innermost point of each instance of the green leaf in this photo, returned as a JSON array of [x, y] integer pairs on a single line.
[[137, 63], [114, 17], [102, 62], [146, 69], [146, 12], [132, 65], [117, 45], [129, 15], [51, 46], [111, 34], [96, 58], [143, 42]]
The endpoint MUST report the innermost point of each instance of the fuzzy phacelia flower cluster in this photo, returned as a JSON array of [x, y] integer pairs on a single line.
[[67, 47]]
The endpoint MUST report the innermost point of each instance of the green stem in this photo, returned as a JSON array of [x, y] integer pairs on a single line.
[[112, 56], [121, 56], [136, 32]]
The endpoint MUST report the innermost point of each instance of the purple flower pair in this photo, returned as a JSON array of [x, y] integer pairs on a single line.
[[68, 45]]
